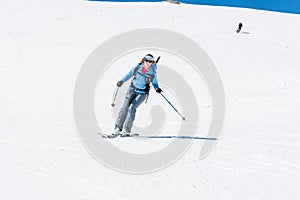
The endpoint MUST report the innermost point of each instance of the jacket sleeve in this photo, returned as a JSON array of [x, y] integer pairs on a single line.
[[154, 81], [129, 74]]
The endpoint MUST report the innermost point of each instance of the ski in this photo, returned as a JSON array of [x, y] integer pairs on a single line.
[[111, 136]]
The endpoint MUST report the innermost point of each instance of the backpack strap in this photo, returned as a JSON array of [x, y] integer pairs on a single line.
[[136, 69]]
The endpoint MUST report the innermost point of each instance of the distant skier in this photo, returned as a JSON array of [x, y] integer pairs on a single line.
[[240, 27], [143, 74]]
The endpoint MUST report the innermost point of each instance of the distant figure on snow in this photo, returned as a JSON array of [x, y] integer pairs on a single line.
[[240, 27]]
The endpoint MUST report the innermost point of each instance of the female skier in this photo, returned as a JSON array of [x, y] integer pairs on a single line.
[[143, 74]]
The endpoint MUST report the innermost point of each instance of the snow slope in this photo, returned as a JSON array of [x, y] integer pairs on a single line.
[[42, 47]]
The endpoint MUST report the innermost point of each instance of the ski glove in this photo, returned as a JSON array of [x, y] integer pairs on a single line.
[[158, 90], [119, 83]]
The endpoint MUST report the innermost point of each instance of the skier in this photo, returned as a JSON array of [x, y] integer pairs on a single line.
[[240, 27], [143, 74]]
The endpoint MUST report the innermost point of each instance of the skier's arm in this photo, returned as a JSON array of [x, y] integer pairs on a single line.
[[155, 85], [129, 75], [154, 81]]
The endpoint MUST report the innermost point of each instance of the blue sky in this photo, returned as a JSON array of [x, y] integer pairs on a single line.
[[290, 6]]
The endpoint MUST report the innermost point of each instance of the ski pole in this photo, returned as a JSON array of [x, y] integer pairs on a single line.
[[183, 118], [114, 96]]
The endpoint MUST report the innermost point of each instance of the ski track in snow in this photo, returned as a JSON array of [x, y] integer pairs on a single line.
[[43, 45]]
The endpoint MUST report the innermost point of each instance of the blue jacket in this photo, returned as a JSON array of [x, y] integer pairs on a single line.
[[140, 81]]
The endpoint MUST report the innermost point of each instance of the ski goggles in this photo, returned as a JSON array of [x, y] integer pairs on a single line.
[[150, 61]]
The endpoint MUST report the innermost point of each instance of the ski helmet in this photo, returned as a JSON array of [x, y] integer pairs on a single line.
[[149, 57]]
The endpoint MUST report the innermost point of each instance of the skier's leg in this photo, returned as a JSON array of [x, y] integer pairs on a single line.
[[124, 110], [140, 98]]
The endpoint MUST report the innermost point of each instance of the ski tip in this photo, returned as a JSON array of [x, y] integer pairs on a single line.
[[109, 136]]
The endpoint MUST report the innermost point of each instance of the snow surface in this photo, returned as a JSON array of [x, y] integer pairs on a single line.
[[43, 45]]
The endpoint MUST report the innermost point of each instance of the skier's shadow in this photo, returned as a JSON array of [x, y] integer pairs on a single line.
[[245, 33]]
